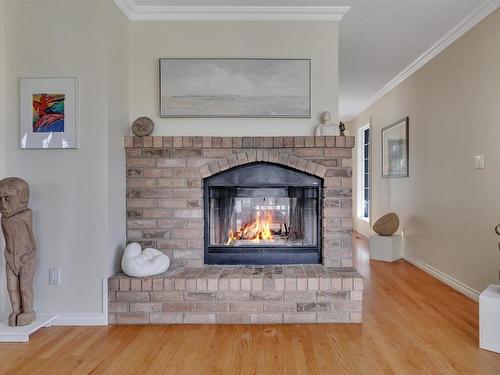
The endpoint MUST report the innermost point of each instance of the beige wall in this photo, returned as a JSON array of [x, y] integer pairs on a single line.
[[76, 194], [447, 208], [4, 305], [118, 126], [150, 41]]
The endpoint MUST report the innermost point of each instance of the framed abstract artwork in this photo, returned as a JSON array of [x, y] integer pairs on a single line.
[[48, 113], [395, 152], [235, 88]]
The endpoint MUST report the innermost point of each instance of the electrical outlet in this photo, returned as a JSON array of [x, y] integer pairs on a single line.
[[54, 276]]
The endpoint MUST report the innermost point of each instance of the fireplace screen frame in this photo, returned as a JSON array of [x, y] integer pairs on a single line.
[[262, 175]]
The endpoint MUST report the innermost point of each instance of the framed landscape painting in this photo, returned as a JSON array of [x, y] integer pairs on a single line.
[[237, 88], [395, 151], [48, 113]]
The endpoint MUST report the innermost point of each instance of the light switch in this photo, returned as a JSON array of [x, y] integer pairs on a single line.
[[479, 161], [54, 276]]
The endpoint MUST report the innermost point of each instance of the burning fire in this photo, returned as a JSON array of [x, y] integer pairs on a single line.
[[260, 229]]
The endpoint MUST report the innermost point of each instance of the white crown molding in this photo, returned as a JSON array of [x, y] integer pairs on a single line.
[[465, 25], [230, 13], [445, 278], [126, 6]]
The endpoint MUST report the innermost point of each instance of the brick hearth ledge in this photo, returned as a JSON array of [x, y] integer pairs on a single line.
[[307, 293], [165, 211]]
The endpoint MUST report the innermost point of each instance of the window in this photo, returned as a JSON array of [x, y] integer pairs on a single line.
[[364, 172]]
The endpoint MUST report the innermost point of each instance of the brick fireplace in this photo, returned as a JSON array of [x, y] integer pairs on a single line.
[[166, 177]]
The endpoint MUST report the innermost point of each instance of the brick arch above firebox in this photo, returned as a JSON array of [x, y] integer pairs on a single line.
[[262, 155]]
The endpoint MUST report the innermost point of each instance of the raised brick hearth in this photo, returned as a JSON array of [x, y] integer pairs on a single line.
[[238, 294], [165, 210]]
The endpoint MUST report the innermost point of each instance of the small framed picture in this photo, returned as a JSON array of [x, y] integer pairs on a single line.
[[395, 149], [48, 113]]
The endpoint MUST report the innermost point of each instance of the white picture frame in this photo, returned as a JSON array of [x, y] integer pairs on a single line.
[[48, 113]]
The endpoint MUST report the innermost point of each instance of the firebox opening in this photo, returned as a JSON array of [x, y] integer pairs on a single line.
[[262, 214]]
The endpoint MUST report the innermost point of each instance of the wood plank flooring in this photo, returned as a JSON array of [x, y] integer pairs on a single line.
[[413, 324]]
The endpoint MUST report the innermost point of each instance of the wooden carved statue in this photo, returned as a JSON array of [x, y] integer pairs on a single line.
[[497, 231], [20, 249], [342, 128]]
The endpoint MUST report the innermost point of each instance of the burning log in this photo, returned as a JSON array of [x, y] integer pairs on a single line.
[[254, 231]]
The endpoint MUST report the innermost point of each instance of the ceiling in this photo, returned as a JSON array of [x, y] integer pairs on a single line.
[[378, 38]]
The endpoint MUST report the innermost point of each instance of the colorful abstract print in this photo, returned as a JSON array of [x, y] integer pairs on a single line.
[[48, 113]]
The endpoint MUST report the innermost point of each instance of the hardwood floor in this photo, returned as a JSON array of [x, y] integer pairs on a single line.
[[413, 324]]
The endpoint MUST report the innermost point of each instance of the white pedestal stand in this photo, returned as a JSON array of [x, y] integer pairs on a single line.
[[489, 318], [22, 334], [385, 248]]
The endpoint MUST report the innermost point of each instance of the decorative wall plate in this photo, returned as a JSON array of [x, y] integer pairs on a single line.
[[143, 126]]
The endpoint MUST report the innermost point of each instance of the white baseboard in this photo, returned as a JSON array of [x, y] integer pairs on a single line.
[[448, 280], [361, 233], [86, 319], [77, 319]]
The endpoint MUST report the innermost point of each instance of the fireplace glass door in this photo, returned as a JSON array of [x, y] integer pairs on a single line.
[[283, 217], [262, 214]]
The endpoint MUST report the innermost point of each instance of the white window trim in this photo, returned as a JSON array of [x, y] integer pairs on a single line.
[[361, 172]]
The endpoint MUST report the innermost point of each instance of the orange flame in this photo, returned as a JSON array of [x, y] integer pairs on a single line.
[[254, 231]]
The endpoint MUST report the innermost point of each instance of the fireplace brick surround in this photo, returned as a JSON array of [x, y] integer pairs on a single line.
[[165, 195], [165, 210]]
